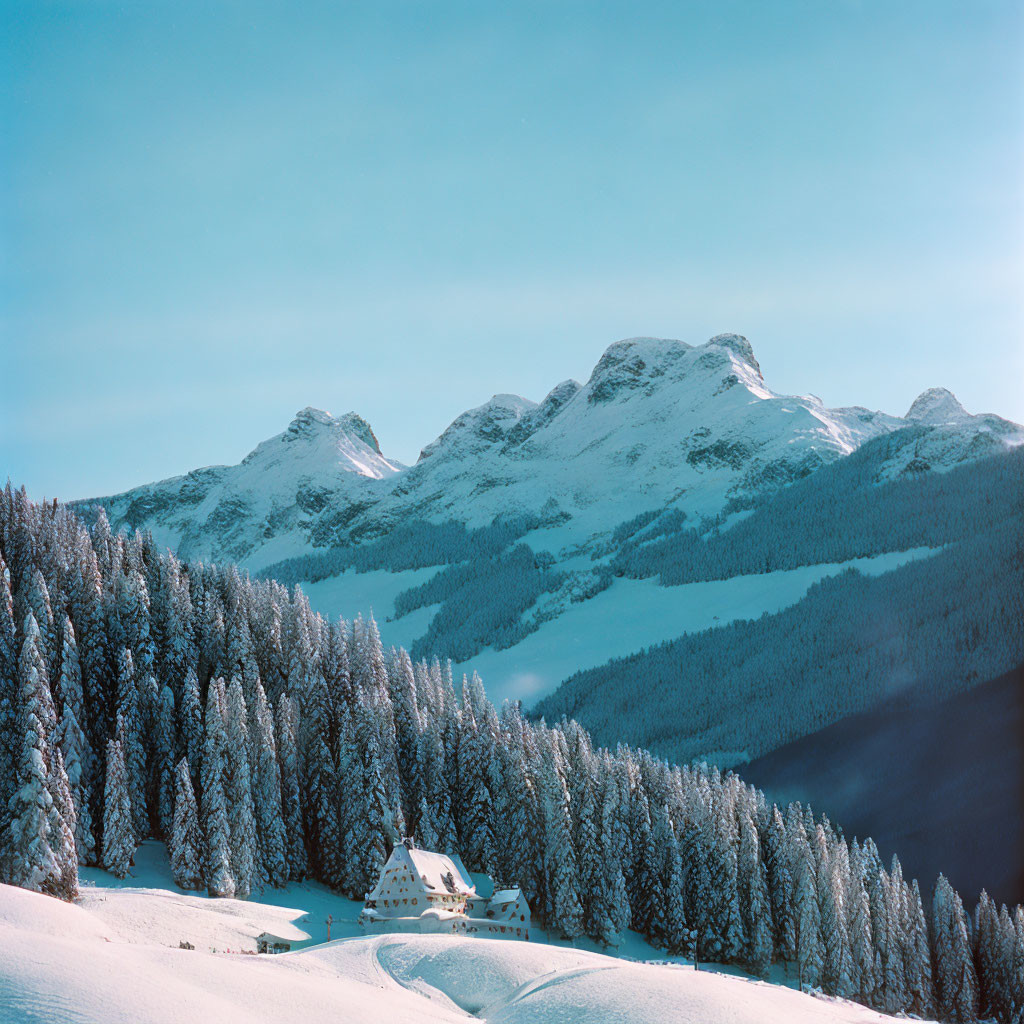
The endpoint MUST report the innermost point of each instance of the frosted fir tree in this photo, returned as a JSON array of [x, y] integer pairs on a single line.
[[163, 739], [40, 606], [858, 912], [130, 736], [956, 984], [679, 936], [267, 794], [35, 844], [426, 833], [560, 864], [216, 827], [614, 917], [63, 824], [780, 886], [10, 729], [379, 826], [186, 838], [75, 749], [291, 808], [918, 954], [238, 793], [118, 827], [807, 915], [837, 964], [895, 957], [190, 717]]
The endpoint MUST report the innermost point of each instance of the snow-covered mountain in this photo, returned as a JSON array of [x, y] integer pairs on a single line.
[[660, 423], [231, 512]]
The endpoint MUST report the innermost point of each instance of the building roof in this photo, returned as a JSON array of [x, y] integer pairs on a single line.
[[433, 869]]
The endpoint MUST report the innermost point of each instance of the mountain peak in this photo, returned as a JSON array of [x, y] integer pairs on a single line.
[[738, 345], [936, 406], [310, 422], [479, 428]]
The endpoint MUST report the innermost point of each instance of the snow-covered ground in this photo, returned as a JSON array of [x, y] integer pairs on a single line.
[[633, 614], [354, 593], [114, 958]]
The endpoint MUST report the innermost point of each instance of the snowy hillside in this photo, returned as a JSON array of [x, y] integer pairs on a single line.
[[114, 959]]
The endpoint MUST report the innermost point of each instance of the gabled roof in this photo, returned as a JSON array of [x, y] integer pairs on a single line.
[[433, 869]]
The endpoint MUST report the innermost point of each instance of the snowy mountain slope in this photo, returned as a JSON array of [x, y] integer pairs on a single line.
[[659, 423], [226, 512], [662, 433], [887, 773], [72, 963], [633, 614]]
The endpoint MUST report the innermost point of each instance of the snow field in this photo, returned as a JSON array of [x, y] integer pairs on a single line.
[[90, 963], [633, 614]]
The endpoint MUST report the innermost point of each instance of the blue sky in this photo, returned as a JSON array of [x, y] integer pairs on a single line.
[[214, 214]]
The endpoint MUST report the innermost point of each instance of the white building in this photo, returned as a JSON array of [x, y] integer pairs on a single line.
[[419, 891]]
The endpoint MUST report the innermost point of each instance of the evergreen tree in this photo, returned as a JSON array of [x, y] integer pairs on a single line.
[[130, 736], [34, 848], [186, 839], [75, 749], [238, 793], [216, 827], [118, 834], [267, 795], [291, 810], [956, 991]]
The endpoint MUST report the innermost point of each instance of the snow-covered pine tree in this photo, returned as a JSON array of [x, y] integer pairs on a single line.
[[833, 879], [164, 746], [560, 863], [190, 717], [893, 958], [755, 905], [267, 794], [858, 927], [130, 736], [956, 985], [10, 731], [238, 794], [118, 826], [63, 824], [34, 847], [215, 824], [291, 808], [77, 754], [780, 885], [806, 913], [917, 956], [186, 839]]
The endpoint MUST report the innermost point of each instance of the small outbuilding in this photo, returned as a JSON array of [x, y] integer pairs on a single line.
[[267, 943]]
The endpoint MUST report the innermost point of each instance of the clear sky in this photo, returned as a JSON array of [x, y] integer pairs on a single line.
[[214, 214]]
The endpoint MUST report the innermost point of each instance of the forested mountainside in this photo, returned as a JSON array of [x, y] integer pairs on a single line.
[[929, 629], [141, 696], [526, 511], [889, 773]]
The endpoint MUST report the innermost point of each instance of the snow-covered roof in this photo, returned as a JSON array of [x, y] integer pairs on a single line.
[[506, 895], [433, 867]]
